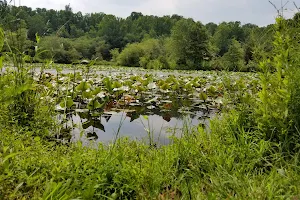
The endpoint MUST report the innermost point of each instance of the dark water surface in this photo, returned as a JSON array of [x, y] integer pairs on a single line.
[[150, 128]]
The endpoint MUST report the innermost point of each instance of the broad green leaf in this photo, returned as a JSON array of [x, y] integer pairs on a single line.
[[96, 91], [203, 96], [99, 125], [211, 90], [87, 95], [94, 104], [108, 84], [83, 86], [117, 85], [67, 103]]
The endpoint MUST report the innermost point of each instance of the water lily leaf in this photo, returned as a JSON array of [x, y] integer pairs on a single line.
[[96, 91], [133, 116], [87, 95], [116, 84], [94, 104], [165, 86], [86, 124], [211, 90], [67, 103], [203, 96], [92, 135], [99, 125], [140, 89], [83, 86], [167, 117], [107, 117], [108, 84]]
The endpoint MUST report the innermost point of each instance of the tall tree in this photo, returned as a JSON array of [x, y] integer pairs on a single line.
[[189, 43], [234, 58]]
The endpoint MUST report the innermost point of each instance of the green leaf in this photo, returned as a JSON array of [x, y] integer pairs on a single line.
[[96, 91], [211, 90], [99, 125], [108, 84], [203, 96], [67, 103], [94, 104], [117, 85], [1, 39], [87, 95], [37, 38], [83, 86]]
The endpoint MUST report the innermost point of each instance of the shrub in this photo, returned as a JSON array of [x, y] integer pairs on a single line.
[[130, 56], [59, 49]]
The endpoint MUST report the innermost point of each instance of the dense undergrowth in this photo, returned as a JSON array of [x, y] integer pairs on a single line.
[[250, 152]]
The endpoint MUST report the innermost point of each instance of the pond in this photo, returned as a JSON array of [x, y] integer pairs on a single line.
[[102, 105]]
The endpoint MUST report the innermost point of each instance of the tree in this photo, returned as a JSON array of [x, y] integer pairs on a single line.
[[225, 33], [189, 43], [36, 24], [234, 58], [110, 30], [211, 28]]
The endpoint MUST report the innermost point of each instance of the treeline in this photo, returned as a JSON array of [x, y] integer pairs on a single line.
[[168, 42]]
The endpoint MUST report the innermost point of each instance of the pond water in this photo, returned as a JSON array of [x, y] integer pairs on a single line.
[[106, 104], [151, 128]]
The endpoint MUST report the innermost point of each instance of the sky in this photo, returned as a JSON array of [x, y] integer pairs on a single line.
[[259, 12]]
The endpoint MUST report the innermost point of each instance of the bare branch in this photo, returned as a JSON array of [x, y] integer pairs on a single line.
[[278, 10], [296, 6]]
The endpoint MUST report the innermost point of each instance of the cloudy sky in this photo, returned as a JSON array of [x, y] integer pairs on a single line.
[[259, 12]]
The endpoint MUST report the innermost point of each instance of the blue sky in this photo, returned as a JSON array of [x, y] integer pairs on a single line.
[[259, 12]]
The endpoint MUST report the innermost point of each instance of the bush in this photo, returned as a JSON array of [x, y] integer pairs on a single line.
[[149, 54], [130, 56], [61, 50], [114, 54]]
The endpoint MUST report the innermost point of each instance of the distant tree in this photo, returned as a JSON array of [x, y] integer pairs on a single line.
[[110, 29], [59, 49], [211, 28], [234, 58], [224, 35], [189, 43], [36, 24]]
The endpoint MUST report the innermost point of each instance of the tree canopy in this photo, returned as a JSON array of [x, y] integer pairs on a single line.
[[184, 43]]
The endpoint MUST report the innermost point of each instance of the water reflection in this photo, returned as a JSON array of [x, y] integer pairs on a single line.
[[153, 128]]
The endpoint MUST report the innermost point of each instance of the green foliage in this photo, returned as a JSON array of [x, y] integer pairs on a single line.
[[130, 56], [189, 43], [1, 39], [278, 115], [234, 58], [115, 54], [224, 35], [183, 43], [60, 50], [149, 54]]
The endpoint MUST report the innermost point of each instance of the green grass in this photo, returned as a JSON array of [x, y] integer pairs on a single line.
[[201, 165]]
